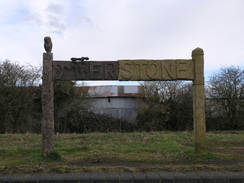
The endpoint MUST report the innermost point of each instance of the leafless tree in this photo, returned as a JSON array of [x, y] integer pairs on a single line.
[[226, 98], [17, 96]]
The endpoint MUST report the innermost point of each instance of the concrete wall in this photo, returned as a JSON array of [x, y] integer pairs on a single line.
[[117, 107]]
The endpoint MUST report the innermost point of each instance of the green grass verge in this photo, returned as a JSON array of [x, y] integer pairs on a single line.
[[140, 151]]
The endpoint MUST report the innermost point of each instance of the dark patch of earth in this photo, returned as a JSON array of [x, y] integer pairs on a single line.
[[238, 151], [136, 164]]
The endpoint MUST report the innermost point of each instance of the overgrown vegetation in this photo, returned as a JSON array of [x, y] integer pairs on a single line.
[[74, 115], [18, 108], [167, 105], [20, 105], [225, 104], [140, 151]]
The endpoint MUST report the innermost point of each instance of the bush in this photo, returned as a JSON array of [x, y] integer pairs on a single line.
[[20, 109], [84, 121], [167, 106]]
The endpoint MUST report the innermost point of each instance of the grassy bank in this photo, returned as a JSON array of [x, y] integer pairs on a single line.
[[140, 151]]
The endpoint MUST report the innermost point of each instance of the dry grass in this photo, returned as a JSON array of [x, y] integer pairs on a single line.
[[140, 151]]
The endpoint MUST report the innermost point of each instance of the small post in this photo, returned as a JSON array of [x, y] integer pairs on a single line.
[[47, 100], [199, 101]]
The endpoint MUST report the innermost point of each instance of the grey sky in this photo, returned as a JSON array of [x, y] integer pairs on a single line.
[[123, 29]]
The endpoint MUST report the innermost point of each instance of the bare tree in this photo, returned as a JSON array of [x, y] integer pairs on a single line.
[[17, 96], [12, 74], [226, 94]]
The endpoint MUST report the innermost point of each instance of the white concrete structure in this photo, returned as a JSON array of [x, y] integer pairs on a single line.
[[117, 101]]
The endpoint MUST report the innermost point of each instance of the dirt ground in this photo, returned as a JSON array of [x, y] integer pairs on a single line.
[[214, 165]]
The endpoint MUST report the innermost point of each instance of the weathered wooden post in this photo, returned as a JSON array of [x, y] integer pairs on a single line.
[[47, 100], [123, 70], [199, 101]]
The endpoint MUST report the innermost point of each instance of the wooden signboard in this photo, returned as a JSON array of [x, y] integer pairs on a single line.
[[156, 70], [86, 70], [123, 70]]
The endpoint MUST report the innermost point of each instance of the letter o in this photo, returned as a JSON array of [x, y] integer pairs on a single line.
[[149, 73]]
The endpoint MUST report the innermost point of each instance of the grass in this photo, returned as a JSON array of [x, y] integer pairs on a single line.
[[140, 151]]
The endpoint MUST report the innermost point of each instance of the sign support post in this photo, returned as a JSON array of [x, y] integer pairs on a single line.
[[47, 104], [122, 70], [199, 101]]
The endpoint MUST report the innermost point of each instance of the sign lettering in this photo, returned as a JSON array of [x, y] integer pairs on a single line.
[[92, 70], [124, 70], [146, 70]]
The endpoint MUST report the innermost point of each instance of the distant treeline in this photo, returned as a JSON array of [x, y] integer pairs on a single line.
[[166, 105]]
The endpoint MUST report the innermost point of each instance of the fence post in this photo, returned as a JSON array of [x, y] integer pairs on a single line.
[[199, 101], [47, 100]]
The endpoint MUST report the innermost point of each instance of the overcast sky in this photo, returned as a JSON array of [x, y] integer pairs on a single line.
[[123, 29]]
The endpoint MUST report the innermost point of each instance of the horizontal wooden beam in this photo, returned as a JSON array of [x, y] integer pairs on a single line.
[[156, 70], [124, 70], [86, 70]]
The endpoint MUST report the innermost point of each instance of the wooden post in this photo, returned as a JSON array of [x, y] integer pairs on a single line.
[[199, 101], [47, 101]]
